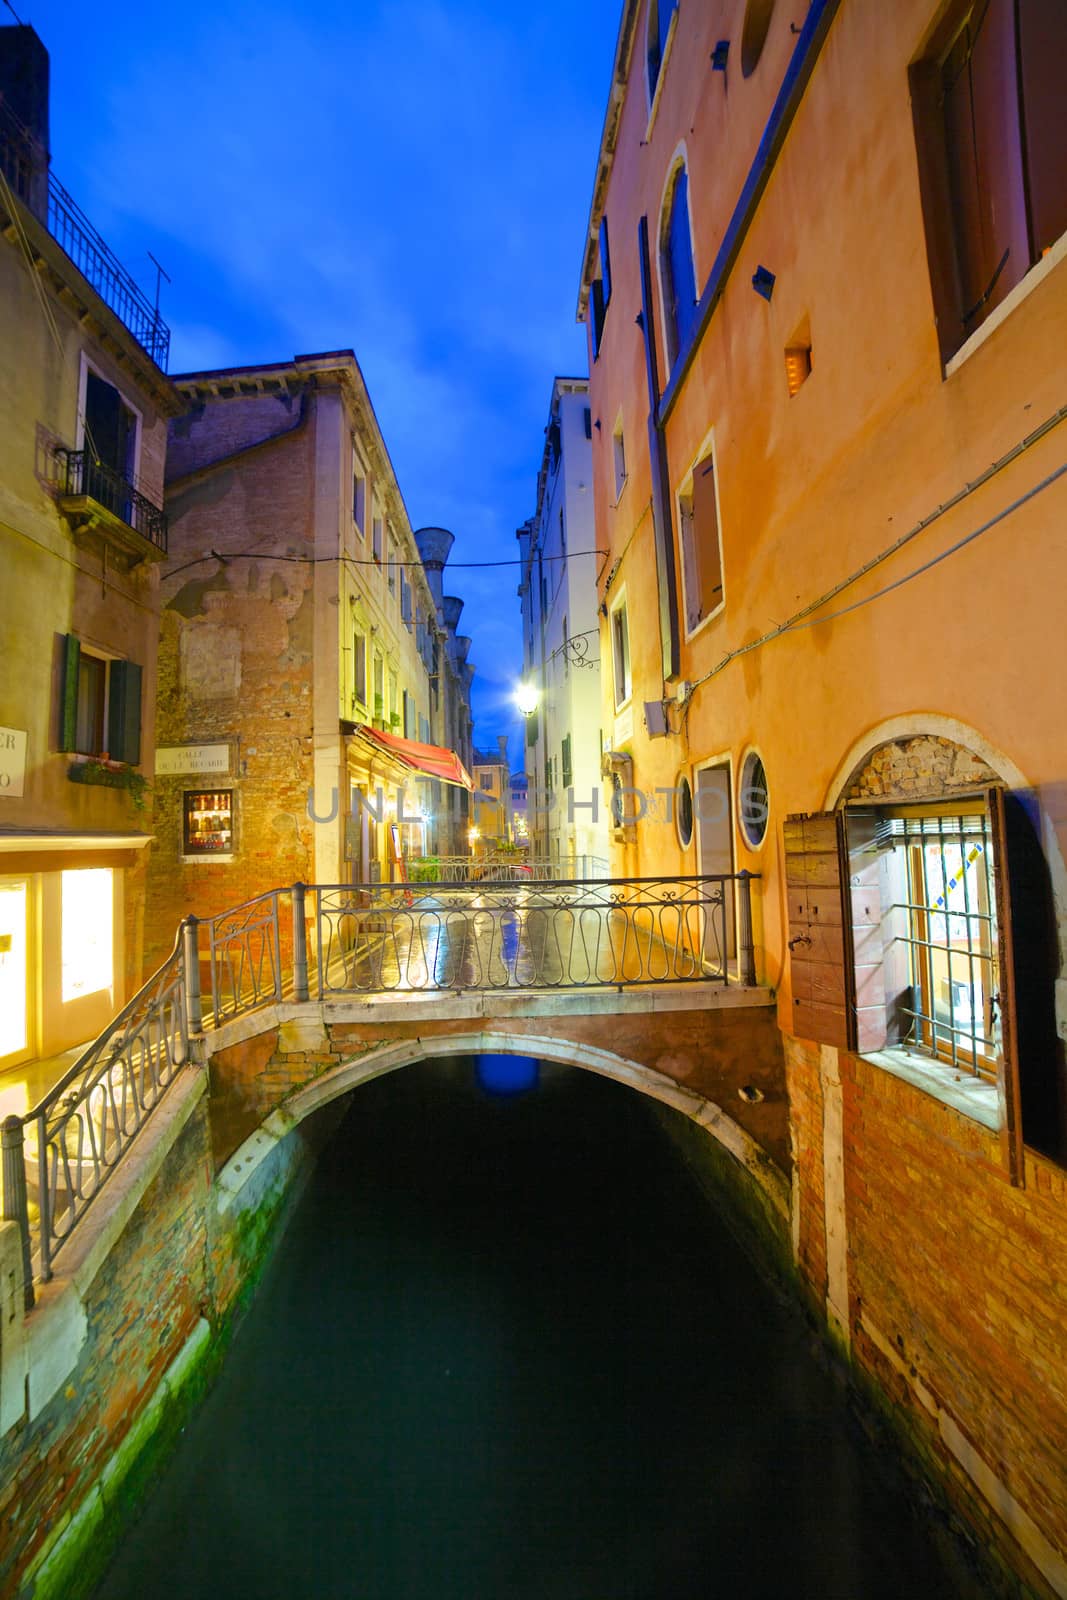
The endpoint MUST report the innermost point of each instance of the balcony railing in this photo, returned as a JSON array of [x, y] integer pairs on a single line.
[[24, 164], [82, 475]]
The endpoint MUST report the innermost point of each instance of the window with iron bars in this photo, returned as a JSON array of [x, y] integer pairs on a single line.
[[938, 930]]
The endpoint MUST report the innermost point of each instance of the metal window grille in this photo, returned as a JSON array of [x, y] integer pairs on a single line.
[[950, 937]]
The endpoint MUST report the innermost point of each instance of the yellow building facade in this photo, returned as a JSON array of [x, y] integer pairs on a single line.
[[84, 405]]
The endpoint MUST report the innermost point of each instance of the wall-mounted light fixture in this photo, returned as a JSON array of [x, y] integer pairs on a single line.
[[763, 282], [719, 55]]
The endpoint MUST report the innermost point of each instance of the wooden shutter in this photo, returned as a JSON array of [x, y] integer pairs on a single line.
[[1043, 52], [605, 262], [597, 309], [124, 712], [68, 706], [680, 253], [706, 536], [1011, 1130], [819, 943]]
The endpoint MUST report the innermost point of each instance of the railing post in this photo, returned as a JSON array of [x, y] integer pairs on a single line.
[[300, 944], [194, 1014], [746, 950], [16, 1207]]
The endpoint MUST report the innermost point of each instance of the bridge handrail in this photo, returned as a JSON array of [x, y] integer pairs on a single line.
[[86, 1122], [83, 1125]]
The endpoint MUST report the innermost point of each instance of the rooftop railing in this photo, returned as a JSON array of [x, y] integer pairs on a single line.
[[24, 165]]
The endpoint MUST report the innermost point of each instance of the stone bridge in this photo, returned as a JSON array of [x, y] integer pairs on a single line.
[[711, 1052]]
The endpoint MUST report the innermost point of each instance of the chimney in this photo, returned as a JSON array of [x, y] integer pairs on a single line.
[[24, 136]]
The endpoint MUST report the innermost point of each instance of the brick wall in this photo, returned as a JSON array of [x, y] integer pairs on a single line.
[[957, 1292], [923, 768], [236, 665], [141, 1308]]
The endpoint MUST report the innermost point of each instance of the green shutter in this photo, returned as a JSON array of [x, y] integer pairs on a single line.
[[124, 712], [68, 705]]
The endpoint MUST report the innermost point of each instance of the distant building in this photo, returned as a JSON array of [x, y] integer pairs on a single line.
[[491, 800], [84, 406], [450, 691], [561, 639], [301, 650]]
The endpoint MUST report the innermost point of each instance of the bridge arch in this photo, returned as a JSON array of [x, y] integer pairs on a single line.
[[363, 1068]]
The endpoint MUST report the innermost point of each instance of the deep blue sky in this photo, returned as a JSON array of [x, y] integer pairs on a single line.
[[406, 178]]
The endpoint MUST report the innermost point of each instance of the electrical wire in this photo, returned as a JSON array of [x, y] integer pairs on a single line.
[[801, 618], [359, 561]]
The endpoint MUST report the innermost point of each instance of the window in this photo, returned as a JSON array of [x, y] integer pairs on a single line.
[[587, 417], [677, 272], [392, 569], [110, 430], [487, 782], [993, 169], [660, 17], [405, 599], [207, 822], [394, 700], [683, 816], [555, 448], [620, 654], [101, 708], [618, 447], [798, 359], [701, 554], [564, 651], [379, 688], [754, 34], [600, 295], [752, 801], [565, 762], [86, 932], [376, 540], [562, 533], [359, 499], [359, 668]]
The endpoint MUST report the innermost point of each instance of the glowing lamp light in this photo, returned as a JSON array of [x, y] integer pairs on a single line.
[[473, 834], [526, 698]]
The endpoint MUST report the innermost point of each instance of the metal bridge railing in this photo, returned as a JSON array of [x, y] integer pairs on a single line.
[[364, 939], [504, 867]]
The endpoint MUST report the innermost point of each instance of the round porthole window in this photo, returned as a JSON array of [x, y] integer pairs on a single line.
[[754, 34], [752, 801], [683, 811]]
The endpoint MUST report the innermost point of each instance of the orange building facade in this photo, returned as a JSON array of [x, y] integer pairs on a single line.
[[826, 294]]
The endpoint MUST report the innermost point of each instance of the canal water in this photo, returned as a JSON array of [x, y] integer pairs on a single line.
[[507, 1352]]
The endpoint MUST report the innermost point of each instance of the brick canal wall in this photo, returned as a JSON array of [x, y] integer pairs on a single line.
[[948, 1285], [133, 1349]]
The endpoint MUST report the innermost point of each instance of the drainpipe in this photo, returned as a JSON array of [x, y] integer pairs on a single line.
[[662, 522]]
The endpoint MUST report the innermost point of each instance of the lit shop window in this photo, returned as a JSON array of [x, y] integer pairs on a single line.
[[86, 945], [208, 822]]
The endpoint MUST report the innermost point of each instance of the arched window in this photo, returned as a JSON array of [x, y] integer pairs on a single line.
[[676, 266], [660, 13]]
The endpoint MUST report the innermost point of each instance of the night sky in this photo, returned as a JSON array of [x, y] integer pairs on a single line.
[[407, 179]]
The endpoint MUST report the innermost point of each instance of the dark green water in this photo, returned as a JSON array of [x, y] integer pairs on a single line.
[[506, 1352]]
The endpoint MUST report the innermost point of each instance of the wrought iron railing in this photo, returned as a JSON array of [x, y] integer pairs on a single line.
[[365, 939], [506, 867], [24, 164], [74, 1138], [82, 474], [577, 934]]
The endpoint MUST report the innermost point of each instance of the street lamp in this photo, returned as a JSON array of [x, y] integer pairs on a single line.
[[526, 698]]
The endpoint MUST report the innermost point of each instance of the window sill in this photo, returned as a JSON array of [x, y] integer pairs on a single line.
[[702, 624], [972, 1097], [1024, 288]]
